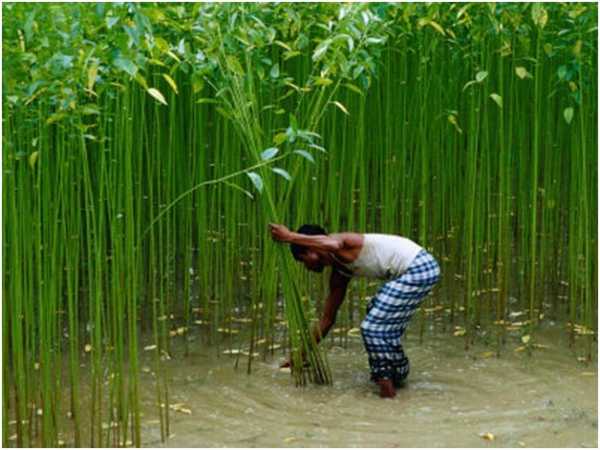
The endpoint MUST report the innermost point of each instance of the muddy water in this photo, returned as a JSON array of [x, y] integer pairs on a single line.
[[452, 399]]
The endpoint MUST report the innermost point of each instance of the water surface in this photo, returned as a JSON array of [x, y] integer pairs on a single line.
[[452, 399]]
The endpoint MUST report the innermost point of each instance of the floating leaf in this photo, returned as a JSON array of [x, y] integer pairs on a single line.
[[342, 107], [171, 83], [354, 332], [522, 72], [233, 351], [256, 180], [179, 407], [33, 159], [306, 155], [497, 99], [459, 331], [282, 172], [488, 436], [269, 153], [157, 95], [568, 114]]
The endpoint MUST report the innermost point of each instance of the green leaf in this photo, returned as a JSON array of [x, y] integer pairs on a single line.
[[318, 147], [292, 54], [171, 83], [269, 153], [562, 72], [239, 188], [126, 65], [306, 155], [87, 110], [197, 83], [223, 112], [283, 45], [342, 107], [321, 49], [522, 72], [539, 15], [208, 100], [373, 40], [282, 172], [453, 121], [111, 21], [280, 138], [141, 80], [256, 180], [467, 84], [480, 76], [274, 71], [33, 159], [91, 76], [568, 114], [56, 117], [157, 95], [321, 81], [353, 88], [497, 99]]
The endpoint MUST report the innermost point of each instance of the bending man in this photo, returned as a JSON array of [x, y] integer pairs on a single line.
[[410, 273]]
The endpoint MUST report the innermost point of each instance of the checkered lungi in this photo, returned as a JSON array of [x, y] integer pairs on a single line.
[[388, 314]]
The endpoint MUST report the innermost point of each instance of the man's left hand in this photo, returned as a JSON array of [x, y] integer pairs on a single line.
[[279, 233]]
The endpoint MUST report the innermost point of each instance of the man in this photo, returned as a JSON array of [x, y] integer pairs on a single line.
[[410, 273]]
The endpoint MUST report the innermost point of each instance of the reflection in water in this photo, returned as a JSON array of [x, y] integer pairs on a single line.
[[452, 399]]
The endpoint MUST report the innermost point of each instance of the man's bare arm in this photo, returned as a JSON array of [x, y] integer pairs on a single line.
[[338, 284], [318, 242]]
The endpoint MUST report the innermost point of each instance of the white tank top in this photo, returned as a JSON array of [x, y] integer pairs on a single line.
[[384, 256]]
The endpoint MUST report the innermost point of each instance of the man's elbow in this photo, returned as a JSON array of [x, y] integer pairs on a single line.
[[334, 245], [327, 323]]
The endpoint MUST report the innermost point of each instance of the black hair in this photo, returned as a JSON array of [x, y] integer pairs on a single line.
[[308, 229]]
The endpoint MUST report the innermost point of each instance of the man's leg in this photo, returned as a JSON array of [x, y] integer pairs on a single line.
[[387, 318]]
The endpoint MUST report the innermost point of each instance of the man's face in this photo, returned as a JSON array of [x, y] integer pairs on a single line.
[[311, 260]]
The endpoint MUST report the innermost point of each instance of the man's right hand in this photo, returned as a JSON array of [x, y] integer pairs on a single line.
[[288, 363]]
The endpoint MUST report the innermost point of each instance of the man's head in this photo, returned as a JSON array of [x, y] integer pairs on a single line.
[[311, 259]]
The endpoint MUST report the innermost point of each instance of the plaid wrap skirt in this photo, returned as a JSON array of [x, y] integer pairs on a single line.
[[388, 314]]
